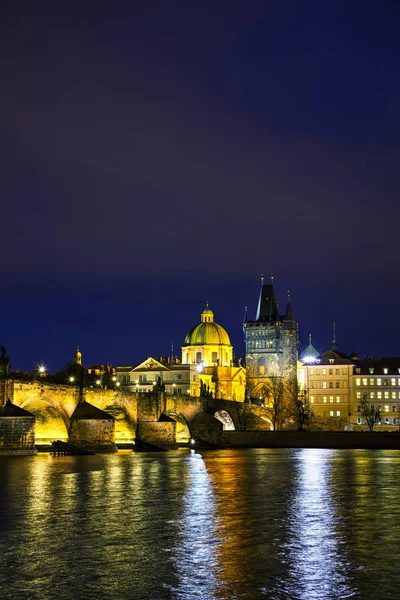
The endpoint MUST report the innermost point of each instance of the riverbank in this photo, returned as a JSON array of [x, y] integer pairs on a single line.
[[363, 440]]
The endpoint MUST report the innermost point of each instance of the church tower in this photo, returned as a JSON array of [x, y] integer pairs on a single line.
[[271, 342]]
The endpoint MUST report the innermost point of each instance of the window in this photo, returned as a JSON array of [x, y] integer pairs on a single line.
[[386, 382], [393, 381], [386, 407], [323, 371], [387, 421], [337, 371], [344, 371], [330, 371], [179, 391], [214, 357], [358, 408], [379, 381], [177, 377], [338, 413], [394, 421], [358, 381], [331, 413], [142, 378], [324, 399], [198, 357], [331, 385], [371, 370], [312, 399], [312, 385], [324, 385], [365, 381], [194, 378], [394, 408], [337, 384], [386, 395], [330, 398], [358, 395], [337, 398], [372, 395], [386, 371], [358, 421], [311, 371], [379, 394], [372, 381], [379, 408]]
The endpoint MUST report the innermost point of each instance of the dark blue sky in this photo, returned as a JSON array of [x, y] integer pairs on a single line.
[[157, 155]]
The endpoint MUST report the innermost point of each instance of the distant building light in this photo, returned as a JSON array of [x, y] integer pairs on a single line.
[[42, 369]]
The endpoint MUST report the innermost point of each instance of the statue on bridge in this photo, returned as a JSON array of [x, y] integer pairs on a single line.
[[205, 391], [4, 362], [160, 385]]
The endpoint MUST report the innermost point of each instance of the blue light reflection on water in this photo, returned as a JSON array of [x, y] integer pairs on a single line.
[[318, 563], [278, 524]]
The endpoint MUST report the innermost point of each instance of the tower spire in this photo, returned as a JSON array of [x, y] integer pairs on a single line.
[[245, 314], [289, 312], [334, 341]]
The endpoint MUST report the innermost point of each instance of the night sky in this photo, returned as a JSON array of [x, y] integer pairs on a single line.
[[155, 155]]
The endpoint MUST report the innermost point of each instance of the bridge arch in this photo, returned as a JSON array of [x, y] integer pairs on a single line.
[[52, 421], [226, 420], [259, 392], [183, 433]]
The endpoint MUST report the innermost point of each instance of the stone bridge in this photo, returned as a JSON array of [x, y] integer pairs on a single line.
[[152, 417]]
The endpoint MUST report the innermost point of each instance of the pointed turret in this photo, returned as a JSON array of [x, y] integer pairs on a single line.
[[309, 354], [334, 341], [267, 304], [289, 311], [245, 314]]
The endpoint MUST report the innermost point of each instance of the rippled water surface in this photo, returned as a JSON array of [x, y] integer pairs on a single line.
[[279, 524]]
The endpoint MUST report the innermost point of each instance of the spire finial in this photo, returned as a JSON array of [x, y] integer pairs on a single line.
[[245, 313], [288, 295], [272, 278], [206, 303], [310, 337], [262, 278], [334, 341]]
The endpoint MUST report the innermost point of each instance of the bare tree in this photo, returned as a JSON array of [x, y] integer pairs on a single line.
[[298, 404], [370, 413], [275, 401], [243, 414]]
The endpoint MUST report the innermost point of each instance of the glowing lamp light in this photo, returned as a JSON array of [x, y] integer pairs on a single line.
[[199, 368], [71, 379], [118, 384], [309, 360], [188, 391], [98, 382], [42, 369], [114, 378], [192, 441]]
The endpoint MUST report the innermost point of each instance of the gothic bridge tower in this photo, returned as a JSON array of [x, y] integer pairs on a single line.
[[271, 342]]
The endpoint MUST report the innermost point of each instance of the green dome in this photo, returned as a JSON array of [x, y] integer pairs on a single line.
[[207, 333]]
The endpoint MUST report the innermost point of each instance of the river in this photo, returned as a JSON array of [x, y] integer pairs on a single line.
[[230, 524]]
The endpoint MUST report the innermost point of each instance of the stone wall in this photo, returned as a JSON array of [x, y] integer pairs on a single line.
[[17, 435], [161, 433], [94, 434]]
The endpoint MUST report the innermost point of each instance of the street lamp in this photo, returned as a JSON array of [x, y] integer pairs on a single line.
[[42, 370], [71, 379]]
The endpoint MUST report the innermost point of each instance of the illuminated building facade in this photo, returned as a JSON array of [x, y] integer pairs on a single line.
[[377, 380], [207, 349], [271, 343], [170, 373]]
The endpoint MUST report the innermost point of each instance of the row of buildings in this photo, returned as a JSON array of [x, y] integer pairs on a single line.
[[334, 382]]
